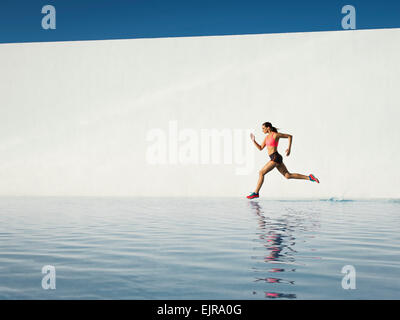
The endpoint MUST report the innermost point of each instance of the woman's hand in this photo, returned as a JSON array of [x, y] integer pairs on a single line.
[[252, 137], [287, 152]]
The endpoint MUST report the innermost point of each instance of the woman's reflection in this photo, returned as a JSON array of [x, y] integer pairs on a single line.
[[276, 236]]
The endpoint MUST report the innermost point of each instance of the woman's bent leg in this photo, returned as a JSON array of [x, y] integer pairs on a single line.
[[282, 169]]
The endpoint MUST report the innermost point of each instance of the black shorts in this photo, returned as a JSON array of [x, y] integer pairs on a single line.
[[276, 157]]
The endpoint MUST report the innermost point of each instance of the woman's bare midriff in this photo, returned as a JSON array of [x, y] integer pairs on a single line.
[[271, 150]]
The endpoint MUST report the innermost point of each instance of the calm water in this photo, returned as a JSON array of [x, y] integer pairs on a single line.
[[127, 248]]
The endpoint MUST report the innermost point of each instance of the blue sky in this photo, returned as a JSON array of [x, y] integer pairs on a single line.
[[20, 21]]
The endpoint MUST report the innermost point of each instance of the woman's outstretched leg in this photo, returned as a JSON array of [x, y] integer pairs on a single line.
[[267, 168]]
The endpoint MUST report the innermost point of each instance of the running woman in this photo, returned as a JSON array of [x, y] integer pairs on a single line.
[[271, 141]]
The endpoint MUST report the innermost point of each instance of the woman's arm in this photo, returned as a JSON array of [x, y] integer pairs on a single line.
[[259, 147], [288, 136]]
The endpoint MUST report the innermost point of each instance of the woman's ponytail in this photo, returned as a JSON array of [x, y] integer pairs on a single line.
[[269, 125]]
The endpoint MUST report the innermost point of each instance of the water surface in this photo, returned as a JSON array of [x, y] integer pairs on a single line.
[[204, 248]]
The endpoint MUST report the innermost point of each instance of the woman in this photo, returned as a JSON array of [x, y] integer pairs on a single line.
[[271, 141]]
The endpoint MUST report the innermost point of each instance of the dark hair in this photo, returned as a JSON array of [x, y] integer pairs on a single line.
[[269, 125]]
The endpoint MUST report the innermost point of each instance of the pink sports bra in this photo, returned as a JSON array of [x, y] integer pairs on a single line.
[[270, 141]]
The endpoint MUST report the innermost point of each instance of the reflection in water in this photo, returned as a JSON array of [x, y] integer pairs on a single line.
[[277, 237], [280, 295]]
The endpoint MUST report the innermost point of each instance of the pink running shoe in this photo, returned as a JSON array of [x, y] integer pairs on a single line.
[[253, 195], [313, 178]]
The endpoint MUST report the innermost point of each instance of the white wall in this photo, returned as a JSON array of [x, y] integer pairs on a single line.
[[74, 116]]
